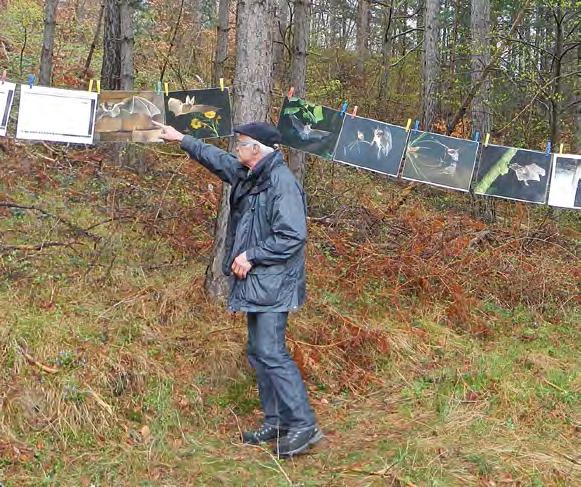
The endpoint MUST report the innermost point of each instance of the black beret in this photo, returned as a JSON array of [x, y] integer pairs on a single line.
[[263, 132]]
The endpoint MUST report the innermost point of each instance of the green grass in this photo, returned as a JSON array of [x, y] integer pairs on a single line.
[[153, 386]]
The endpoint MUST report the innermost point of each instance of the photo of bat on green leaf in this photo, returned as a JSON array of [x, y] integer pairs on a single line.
[[309, 127]]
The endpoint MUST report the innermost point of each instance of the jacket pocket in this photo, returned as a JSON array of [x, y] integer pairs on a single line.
[[269, 288]]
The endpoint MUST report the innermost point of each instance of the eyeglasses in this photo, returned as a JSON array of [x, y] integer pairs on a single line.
[[242, 143]]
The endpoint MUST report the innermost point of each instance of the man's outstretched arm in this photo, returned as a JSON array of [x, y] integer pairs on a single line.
[[221, 163]]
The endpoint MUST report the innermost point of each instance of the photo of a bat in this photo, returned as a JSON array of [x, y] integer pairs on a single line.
[[382, 140], [133, 105], [526, 173], [178, 107], [305, 132]]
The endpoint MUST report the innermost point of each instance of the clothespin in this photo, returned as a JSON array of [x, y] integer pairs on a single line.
[[158, 88], [408, 125], [3, 78], [90, 85], [417, 125], [561, 148], [99, 86], [476, 137], [166, 87], [31, 79], [354, 112], [548, 149], [486, 139], [291, 92], [221, 84], [344, 107]]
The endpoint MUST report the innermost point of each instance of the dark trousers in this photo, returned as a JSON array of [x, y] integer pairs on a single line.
[[283, 396]]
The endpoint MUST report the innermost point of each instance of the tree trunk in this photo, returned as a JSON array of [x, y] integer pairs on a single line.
[[483, 207], [50, 10], [280, 27], [252, 82], [362, 33], [386, 47], [430, 63], [300, 47], [111, 67], [475, 88], [194, 23], [480, 28], [577, 135], [557, 83], [126, 45], [95, 40], [221, 51]]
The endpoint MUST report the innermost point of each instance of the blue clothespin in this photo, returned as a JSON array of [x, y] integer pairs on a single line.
[[417, 125], [548, 149], [31, 79], [344, 108], [476, 136]]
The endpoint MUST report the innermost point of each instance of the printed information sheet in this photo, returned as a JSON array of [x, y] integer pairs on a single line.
[[56, 115], [6, 98]]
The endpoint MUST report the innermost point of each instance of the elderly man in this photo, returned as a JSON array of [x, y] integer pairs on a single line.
[[265, 255]]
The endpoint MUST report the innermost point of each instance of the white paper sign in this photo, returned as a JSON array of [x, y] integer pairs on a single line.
[[566, 181], [6, 97], [56, 115]]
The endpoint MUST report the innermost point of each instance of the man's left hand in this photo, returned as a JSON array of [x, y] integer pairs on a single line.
[[241, 266]]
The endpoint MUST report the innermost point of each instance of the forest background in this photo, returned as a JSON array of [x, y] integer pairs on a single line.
[[441, 336]]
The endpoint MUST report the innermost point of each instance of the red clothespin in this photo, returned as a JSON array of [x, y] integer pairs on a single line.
[[3, 78], [291, 92], [354, 113]]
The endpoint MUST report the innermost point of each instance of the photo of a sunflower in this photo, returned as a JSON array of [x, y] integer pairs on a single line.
[[196, 124]]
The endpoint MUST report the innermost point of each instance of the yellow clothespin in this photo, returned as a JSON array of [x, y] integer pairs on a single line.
[[99, 86], [90, 85], [166, 87], [222, 84], [486, 139], [408, 125], [561, 148]]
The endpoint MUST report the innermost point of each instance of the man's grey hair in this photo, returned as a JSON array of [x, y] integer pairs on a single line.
[[264, 149]]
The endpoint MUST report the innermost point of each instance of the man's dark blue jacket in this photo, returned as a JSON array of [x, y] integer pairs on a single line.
[[267, 221]]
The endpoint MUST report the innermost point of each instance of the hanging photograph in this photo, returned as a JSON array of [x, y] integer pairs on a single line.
[[565, 190], [309, 128], [516, 174], [56, 115], [440, 160], [371, 145], [126, 116], [6, 98], [204, 114]]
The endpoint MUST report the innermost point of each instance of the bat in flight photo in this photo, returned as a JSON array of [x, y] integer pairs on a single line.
[[128, 116], [179, 108], [306, 132], [309, 127]]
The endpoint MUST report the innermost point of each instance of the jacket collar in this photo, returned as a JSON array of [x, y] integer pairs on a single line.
[[262, 170]]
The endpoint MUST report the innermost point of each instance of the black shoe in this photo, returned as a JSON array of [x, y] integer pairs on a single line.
[[264, 433], [297, 441]]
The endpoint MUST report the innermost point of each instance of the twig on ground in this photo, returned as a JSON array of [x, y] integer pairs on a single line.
[[33, 361], [39, 246], [99, 400]]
